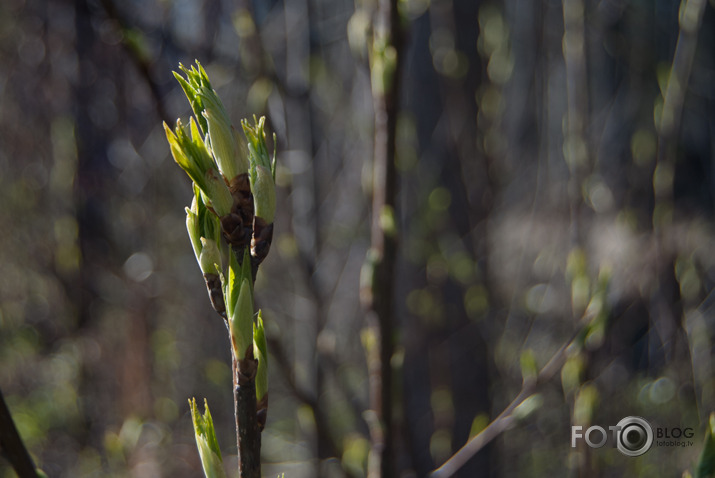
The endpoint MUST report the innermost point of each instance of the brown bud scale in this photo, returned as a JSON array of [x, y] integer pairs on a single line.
[[213, 285], [262, 239], [262, 413], [236, 226]]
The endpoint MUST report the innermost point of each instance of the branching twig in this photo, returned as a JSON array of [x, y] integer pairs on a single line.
[[502, 422]]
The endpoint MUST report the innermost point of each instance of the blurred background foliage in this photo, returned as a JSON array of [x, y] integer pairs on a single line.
[[538, 190]]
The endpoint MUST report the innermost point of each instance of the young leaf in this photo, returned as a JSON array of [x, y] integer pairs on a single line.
[[206, 441]]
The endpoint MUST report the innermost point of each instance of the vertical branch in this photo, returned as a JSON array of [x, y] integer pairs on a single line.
[[576, 154], [575, 146], [248, 432], [691, 15], [378, 274], [665, 304]]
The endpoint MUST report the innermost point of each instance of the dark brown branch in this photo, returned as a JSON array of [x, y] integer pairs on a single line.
[[248, 431], [11, 444]]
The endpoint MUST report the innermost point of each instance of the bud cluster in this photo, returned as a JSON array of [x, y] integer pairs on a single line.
[[230, 223], [233, 171]]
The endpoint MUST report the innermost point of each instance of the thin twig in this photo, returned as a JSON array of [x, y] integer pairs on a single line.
[[502, 422]]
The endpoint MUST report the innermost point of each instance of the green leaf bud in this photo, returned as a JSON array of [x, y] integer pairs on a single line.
[[232, 160], [241, 323], [206, 441], [190, 156], [196, 78], [218, 193], [260, 351], [257, 148], [239, 304], [192, 226], [204, 231], [264, 194], [210, 257], [262, 170], [190, 152], [231, 157]]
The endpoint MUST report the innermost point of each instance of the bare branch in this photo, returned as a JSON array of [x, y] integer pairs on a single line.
[[502, 422]]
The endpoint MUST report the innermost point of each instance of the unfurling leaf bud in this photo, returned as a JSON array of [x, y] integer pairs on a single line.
[[210, 257], [205, 234], [261, 176], [218, 193], [260, 352], [257, 149], [242, 321], [190, 152], [239, 306], [231, 158], [196, 77], [231, 155], [264, 193], [206, 441], [192, 226]]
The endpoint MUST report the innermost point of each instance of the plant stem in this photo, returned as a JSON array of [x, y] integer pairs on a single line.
[[248, 432], [248, 428]]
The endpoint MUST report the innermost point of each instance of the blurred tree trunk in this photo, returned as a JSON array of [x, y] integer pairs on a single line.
[[378, 288], [450, 354]]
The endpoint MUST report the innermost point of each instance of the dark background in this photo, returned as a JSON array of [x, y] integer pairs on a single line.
[[511, 159]]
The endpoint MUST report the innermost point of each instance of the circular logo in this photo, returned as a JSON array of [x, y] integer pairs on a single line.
[[634, 436]]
